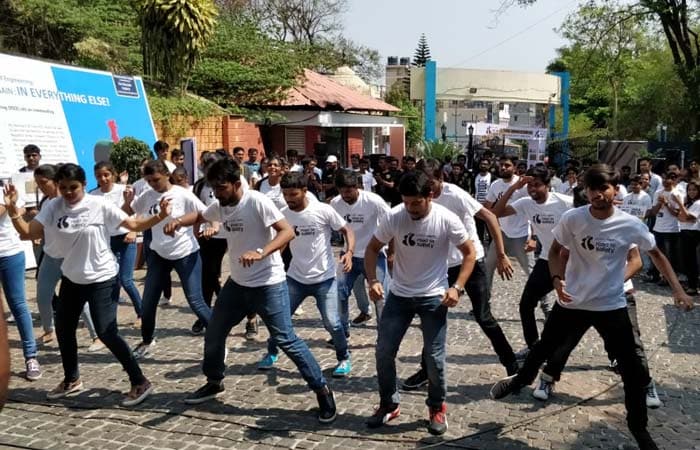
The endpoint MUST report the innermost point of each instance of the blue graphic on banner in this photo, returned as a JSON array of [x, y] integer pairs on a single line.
[[125, 86], [101, 117]]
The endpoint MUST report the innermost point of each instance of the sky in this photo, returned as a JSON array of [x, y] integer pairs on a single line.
[[462, 33]]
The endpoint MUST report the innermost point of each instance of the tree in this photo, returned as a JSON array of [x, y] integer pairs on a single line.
[[412, 116], [422, 54], [676, 19], [173, 34]]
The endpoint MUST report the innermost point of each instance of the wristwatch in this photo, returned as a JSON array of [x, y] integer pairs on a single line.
[[260, 251], [460, 290]]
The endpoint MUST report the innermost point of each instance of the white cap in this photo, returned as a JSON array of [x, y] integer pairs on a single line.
[[332, 159]]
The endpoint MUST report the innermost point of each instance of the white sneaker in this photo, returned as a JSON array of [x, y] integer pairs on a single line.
[[653, 400], [96, 346], [142, 350], [544, 389], [165, 301]]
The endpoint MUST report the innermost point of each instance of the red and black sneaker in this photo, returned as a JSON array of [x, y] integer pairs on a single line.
[[383, 414], [438, 420]]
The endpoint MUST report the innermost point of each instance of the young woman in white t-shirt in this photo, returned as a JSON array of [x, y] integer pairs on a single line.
[[666, 228], [122, 241], [79, 226], [688, 215]]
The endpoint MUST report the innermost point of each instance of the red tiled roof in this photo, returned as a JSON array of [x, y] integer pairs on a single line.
[[318, 91]]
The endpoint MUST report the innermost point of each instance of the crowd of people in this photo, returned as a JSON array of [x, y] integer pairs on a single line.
[[416, 237]]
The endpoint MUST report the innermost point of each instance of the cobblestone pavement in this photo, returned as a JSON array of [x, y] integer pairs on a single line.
[[275, 410]]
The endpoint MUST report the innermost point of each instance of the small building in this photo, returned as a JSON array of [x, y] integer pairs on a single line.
[[322, 117]]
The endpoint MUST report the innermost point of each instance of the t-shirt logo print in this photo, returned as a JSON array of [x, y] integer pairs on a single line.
[[62, 223], [536, 219], [153, 210], [408, 240], [296, 230], [347, 218], [587, 243]]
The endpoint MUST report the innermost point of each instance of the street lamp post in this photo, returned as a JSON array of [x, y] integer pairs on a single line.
[[443, 130], [470, 148]]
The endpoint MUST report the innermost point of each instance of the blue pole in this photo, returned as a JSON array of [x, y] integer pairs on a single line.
[[565, 80], [430, 103]]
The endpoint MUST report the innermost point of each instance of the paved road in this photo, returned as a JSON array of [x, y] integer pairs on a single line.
[[275, 410]]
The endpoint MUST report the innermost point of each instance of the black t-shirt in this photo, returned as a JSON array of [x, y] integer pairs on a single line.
[[390, 194], [329, 178]]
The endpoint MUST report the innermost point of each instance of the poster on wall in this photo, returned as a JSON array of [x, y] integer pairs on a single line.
[[73, 114]]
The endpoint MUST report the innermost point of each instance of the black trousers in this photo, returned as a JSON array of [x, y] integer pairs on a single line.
[[690, 239], [615, 327], [538, 285], [103, 310], [212, 252], [480, 296]]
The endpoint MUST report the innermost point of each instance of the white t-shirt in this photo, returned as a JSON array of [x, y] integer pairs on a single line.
[[566, 188], [636, 204], [694, 211], [140, 186], [665, 221], [544, 216], [368, 181], [274, 193], [312, 254], [182, 201], [248, 226], [595, 272], [10, 243], [554, 184], [170, 165], [459, 201], [363, 217], [115, 197], [81, 233], [481, 186], [512, 226], [621, 192], [655, 182], [421, 248], [206, 196]]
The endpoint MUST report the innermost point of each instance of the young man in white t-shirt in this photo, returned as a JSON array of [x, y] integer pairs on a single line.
[[591, 292], [178, 251], [362, 210], [515, 230], [255, 231], [460, 202], [637, 202], [312, 270], [423, 233], [482, 182], [544, 209]]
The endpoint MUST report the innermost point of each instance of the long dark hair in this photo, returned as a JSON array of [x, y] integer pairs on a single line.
[[688, 201]]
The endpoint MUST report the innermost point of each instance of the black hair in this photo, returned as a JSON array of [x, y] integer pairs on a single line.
[[160, 146], [105, 165], [409, 158], [292, 153], [512, 159], [252, 149], [293, 180], [539, 172], [154, 167], [31, 148], [346, 178], [599, 175], [432, 168], [46, 171], [237, 149], [644, 158], [178, 172], [176, 152], [636, 178], [415, 184], [580, 197], [70, 172], [225, 170]]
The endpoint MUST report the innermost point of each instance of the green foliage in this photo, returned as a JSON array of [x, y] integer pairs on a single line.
[[438, 150], [177, 114], [173, 34], [413, 119], [422, 54], [127, 155]]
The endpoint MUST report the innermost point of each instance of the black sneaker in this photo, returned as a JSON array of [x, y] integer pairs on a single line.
[[197, 328], [415, 381], [383, 414], [644, 440], [504, 387], [360, 319], [521, 355], [326, 405], [207, 392], [251, 329]]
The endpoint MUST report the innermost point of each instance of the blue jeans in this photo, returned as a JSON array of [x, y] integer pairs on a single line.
[[71, 297], [12, 279], [126, 258], [47, 279], [396, 318], [271, 303], [326, 295], [346, 282], [189, 269]]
